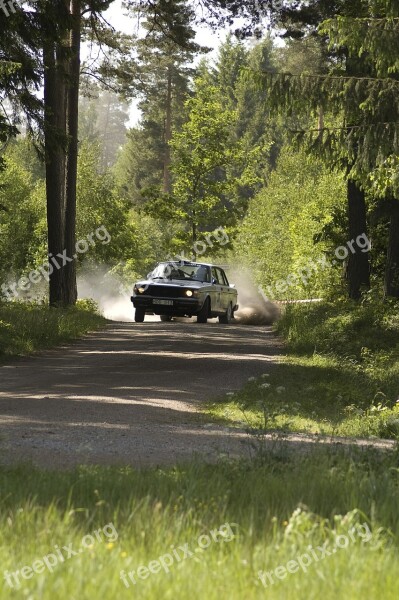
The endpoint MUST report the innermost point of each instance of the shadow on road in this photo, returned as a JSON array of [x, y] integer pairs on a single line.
[[129, 393]]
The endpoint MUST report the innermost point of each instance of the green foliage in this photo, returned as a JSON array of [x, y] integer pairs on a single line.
[[206, 158], [277, 237], [98, 205], [160, 73], [20, 214], [23, 224], [139, 167], [154, 242], [374, 39], [23, 152], [102, 119]]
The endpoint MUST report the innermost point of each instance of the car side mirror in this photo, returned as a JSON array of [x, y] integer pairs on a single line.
[[233, 285], [213, 281]]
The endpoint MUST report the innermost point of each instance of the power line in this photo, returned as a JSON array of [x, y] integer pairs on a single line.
[[344, 128], [327, 77]]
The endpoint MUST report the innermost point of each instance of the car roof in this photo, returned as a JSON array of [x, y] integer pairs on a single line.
[[186, 262]]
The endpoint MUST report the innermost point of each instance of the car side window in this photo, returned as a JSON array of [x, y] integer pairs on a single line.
[[226, 281], [221, 277], [215, 275]]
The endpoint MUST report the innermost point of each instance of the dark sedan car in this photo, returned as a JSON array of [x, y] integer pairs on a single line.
[[185, 289]]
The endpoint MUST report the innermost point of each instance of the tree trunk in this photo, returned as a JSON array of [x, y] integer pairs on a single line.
[[321, 121], [104, 136], [358, 264], [72, 154], [194, 236], [392, 266], [167, 182], [54, 133]]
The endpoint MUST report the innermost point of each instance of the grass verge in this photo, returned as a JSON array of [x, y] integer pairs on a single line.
[[340, 375], [28, 327], [266, 513]]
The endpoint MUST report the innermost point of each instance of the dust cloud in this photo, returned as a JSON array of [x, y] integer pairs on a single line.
[[254, 309], [112, 297]]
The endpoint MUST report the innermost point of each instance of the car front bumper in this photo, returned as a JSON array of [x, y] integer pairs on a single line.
[[180, 306]]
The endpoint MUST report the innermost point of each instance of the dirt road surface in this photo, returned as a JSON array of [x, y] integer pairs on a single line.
[[132, 395], [129, 395]]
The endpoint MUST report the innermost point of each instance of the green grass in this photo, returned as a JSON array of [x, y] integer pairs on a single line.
[[264, 514], [28, 327], [340, 375], [275, 509]]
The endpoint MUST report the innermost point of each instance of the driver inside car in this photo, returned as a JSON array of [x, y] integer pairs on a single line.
[[201, 274]]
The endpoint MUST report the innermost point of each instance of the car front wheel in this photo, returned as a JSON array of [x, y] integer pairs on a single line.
[[227, 317], [202, 316], [165, 318], [139, 315]]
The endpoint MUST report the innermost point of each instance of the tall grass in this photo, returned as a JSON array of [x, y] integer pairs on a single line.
[[276, 509], [28, 327]]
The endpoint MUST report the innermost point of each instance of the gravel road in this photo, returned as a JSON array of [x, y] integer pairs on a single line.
[[130, 394]]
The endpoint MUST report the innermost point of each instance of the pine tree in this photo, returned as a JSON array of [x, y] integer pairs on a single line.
[[374, 40], [342, 91], [162, 72]]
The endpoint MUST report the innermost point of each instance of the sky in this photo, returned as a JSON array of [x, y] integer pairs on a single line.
[[116, 16]]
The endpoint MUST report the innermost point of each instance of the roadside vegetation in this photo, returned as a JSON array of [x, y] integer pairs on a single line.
[[28, 327], [275, 509], [293, 150], [339, 375]]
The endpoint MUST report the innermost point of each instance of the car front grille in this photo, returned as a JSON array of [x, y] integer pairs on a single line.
[[165, 291]]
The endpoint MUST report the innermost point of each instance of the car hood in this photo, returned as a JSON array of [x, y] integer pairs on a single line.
[[172, 282]]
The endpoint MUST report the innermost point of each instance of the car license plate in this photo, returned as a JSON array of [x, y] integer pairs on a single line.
[[163, 302]]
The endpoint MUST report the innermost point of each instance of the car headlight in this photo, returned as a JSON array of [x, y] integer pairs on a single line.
[[191, 293], [139, 290]]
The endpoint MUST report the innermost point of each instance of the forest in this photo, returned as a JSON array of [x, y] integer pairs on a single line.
[[260, 136], [287, 140]]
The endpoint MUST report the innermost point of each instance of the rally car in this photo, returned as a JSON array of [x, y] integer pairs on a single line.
[[185, 289]]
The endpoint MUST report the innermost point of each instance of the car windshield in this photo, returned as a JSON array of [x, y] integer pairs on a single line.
[[181, 271]]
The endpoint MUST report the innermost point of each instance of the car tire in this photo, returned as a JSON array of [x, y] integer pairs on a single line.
[[202, 316], [227, 317], [165, 318], [139, 315]]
